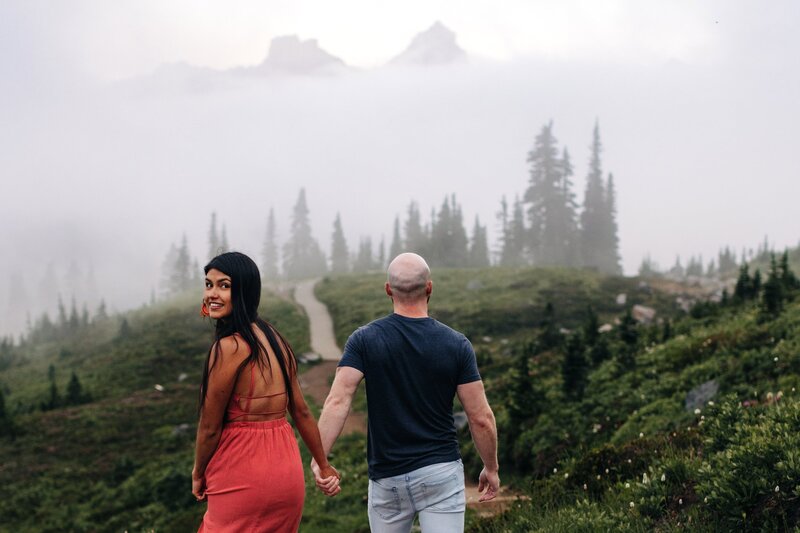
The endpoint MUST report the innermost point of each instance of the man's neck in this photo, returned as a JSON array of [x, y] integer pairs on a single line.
[[411, 311]]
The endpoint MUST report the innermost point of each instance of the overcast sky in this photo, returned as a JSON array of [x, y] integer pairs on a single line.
[[105, 163]]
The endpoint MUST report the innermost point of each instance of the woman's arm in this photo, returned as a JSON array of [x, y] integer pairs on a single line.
[[221, 382], [307, 427]]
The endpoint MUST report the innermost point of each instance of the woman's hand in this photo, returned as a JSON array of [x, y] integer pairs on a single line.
[[199, 487], [327, 478]]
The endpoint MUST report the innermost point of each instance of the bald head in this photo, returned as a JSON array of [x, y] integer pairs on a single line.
[[408, 277]]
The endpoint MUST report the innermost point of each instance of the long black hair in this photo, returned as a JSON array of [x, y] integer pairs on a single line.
[[245, 297]]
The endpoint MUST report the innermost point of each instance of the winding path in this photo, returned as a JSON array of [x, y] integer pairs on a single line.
[[316, 381]]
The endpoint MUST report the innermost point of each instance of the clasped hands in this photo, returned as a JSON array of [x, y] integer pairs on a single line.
[[327, 478]]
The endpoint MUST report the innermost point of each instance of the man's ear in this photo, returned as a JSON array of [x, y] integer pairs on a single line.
[[429, 287], [388, 289]]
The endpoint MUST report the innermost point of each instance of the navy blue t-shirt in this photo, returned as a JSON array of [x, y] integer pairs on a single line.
[[411, 367]]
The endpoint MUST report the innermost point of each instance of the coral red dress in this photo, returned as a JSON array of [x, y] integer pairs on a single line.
[[254, 480]]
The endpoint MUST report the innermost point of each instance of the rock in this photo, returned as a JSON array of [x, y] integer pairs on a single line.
[[182, 377], [309, 357], [181, 429], [643, 314], [622, 298], [605, 328], [486, 339], [699, 396], [159, 388]]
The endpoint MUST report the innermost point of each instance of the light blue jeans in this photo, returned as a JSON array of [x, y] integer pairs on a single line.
[[435, 491]]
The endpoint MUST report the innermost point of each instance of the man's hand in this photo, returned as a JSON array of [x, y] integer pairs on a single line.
[[327, 480], [488, 485]]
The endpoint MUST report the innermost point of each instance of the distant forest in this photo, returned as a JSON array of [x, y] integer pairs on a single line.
[[543, 226]]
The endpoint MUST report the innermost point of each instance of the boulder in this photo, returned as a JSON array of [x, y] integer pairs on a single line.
[[643, 314]]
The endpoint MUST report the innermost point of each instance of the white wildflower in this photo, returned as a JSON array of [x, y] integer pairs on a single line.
[[555, 470], [645, 479], [776, 359], [598, 477], [663, 477], [606, 470], [584, 486], [159, 388], [711, 403], [641, 435], [705, 500], [627, 485], [566, 475], [632, 505], [697, 411], [680, 501], [777, 488]]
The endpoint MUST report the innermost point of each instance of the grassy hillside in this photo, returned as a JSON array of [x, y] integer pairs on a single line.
[[123, 460], [493, 301]]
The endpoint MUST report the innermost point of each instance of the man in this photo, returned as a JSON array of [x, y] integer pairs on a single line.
[[413, 367]]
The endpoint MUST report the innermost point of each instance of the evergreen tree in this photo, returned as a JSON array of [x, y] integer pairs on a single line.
[[772, 299], [302, 257], [575, 368], [340, 257], [629, 335], [550, 336], [101, 313], [726, 261], [594, 214], [479, 248], [601, 351], [448, 238], [74, 319], [610, 251], [788, 279], [551, 211], [677, 270], [591, 327], [75, 395], [396, 248], [223, 241], [6, 424], [513, 251], [364, 261], [415, 236], [755, 288], [63, 319], [381, 262], [213, 238], [183, 266], [648, 268], [269, 253], [695, 266]]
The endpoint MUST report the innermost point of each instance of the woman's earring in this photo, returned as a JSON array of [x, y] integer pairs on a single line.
[[204, 310]]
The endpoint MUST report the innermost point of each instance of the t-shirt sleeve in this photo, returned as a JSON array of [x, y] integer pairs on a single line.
[[468, 369], [353, 355]]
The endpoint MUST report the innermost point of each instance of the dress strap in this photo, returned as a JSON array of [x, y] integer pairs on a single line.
[[252, 386]]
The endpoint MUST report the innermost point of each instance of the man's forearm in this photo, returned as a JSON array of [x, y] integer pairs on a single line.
[[484, 435], [332, 419]]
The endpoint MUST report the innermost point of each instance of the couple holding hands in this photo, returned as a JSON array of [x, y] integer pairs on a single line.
[[247, 461]]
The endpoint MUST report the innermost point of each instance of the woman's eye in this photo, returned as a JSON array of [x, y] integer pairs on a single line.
[[208, 285], [225, 286]]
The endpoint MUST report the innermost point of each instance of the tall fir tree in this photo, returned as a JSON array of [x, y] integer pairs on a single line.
[[610, 252], [396, 248], [416, 239], [340, 257], [381, 259], [513, 249], [269, 252], [479, 247], [213, 238], [223, 241], [364, 260], [546, 204], [302, 257], [594, 209]]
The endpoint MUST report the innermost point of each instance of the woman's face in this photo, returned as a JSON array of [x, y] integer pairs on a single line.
[[217, 295]]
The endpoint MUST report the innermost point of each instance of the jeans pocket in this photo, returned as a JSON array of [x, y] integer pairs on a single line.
[[445, 494], [385, 500]]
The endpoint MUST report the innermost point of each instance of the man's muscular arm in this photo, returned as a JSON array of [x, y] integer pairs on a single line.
[[484, 434]]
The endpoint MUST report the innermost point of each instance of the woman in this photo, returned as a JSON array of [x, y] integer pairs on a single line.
[[247, 463]]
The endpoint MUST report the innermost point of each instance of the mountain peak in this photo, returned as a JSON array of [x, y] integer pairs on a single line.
[[291, 55], [434, 46]]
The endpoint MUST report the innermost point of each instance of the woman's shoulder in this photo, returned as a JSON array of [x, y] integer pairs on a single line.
[[233, 347]]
